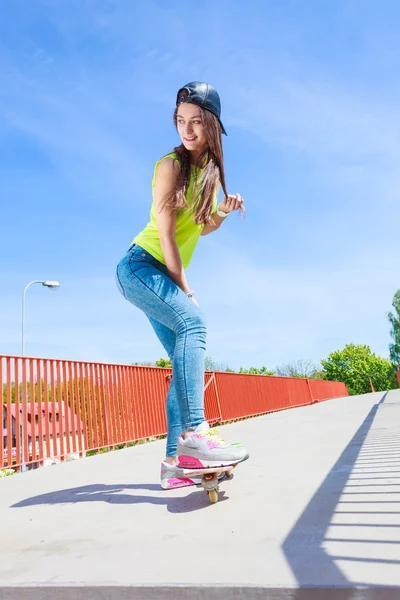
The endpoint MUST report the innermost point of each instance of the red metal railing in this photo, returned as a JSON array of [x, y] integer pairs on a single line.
[[56, 408], [323, 390], [398, 376]]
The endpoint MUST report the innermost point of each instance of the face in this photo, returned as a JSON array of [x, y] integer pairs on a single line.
[[191, 128]]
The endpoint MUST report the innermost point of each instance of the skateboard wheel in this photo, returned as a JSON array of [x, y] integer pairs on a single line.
[[213, 495], [229, 474]]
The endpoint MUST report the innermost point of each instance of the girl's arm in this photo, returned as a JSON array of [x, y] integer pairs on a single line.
[[166, 177], [210, 228], [230, 204]]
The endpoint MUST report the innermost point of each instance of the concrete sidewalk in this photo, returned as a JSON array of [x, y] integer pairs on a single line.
[[317, 505]]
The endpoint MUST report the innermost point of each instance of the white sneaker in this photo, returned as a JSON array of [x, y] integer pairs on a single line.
[[204, 448], [173, 477]]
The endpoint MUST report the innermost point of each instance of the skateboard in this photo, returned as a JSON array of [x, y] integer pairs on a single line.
[[210, 479]]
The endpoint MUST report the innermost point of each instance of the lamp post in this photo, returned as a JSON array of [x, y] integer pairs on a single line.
[[51, 285]]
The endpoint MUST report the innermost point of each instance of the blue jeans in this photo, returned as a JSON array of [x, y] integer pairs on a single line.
[[180, 327]]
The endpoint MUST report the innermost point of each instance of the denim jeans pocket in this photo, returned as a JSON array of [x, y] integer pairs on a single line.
[[138, 254]]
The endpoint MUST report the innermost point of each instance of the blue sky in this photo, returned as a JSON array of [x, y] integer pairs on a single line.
[[309, 96]]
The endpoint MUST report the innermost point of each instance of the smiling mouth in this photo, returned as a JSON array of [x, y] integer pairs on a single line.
[[192, 139]]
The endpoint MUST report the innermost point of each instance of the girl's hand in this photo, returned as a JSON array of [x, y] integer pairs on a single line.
[[231, 203]]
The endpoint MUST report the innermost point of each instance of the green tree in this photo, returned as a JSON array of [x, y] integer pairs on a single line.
[[256, 371], [355, 365], [394, 320], [14, 395], [164, 362], [300, 368], [144, 363]]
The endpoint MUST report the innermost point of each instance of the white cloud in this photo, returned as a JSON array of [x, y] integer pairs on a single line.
[[349, 134]]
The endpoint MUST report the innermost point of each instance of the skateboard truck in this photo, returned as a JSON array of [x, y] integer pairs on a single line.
[[209, 480]]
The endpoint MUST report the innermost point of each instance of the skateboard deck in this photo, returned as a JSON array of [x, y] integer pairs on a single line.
[[210, 479]]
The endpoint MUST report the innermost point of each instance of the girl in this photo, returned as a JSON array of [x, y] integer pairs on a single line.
[[152, 276]]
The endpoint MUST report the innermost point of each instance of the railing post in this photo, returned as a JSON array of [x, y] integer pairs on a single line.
[[313, 400], [217, 395]]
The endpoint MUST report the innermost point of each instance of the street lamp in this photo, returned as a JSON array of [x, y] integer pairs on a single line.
[[49, 284], [52, 285]]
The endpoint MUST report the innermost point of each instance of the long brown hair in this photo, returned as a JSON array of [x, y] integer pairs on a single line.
[[211, 176]]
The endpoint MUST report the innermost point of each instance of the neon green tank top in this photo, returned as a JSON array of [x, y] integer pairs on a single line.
[[187, 232]]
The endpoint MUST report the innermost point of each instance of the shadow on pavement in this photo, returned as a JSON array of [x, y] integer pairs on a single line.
[[116, 494], [341, 503]]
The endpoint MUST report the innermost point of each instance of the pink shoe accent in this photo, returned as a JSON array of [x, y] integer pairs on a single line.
[[188, 462], [211, 443], [183, 482]]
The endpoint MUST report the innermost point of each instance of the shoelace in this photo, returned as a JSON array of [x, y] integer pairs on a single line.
[[213, 434]]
